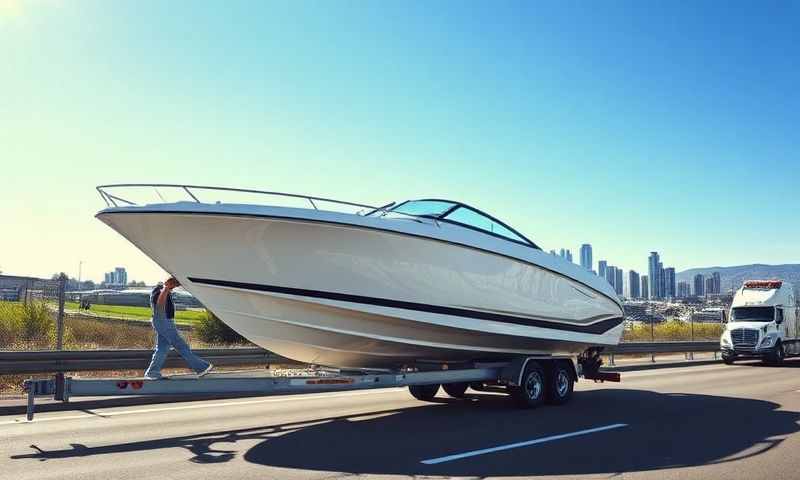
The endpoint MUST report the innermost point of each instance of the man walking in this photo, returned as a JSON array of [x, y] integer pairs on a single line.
[[167, 335]]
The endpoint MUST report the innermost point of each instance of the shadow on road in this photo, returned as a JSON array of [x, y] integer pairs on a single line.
[[665, 430]]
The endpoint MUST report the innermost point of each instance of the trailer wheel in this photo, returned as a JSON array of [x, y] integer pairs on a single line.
[[560, 384], [777, 355], [530, 394], [456, 390], [423, 392]]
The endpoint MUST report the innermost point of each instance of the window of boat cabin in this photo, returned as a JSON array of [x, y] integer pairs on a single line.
[[470, 217], [431, 208]]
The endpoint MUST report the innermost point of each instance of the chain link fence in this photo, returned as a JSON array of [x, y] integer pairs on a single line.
[[46, 314], [32, 312]]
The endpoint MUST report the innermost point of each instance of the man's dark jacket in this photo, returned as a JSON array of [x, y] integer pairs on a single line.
[[154, 298]]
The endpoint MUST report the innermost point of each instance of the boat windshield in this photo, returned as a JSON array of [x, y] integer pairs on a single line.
[[467, 216], [424, 208], [463, 215]]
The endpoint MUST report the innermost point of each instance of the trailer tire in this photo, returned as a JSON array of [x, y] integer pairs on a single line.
[[777, 355], [424, 392], [456, 390], [530, 394], [560, 384]]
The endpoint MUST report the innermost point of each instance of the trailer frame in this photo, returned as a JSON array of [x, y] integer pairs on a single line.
[[263, 382]]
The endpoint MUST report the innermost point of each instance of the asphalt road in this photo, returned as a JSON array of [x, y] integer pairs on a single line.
[[716, 421]]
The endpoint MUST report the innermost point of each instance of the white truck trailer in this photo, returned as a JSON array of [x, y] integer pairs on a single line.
[[762, 323]]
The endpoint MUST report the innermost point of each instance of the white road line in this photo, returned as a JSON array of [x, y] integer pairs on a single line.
[[474, 453], [284, 398]]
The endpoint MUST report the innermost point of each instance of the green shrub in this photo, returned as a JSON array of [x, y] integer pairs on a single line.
[[212, 330], [28, 324]]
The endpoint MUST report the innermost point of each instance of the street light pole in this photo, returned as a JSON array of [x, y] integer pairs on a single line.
[[80, 268]]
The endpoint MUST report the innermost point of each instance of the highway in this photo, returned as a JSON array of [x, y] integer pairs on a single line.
[[711, 422]]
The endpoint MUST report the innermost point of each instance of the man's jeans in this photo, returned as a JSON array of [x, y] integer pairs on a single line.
[[167, 337]]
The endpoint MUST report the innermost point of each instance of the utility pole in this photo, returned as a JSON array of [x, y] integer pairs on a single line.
[[80, 268]]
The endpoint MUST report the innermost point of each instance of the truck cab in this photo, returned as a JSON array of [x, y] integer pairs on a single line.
[[762, 323]]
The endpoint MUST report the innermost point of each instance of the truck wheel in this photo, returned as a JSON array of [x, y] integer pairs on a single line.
[[728, 359], [423, 392], [456, 390], [559, 385], [531, 393], [478, 386], [777, 355]]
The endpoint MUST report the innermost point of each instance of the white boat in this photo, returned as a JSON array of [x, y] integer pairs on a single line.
[[420, 281]]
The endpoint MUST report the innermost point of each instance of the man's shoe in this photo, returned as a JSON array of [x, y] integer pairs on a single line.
[[155, 377], [206, 371]]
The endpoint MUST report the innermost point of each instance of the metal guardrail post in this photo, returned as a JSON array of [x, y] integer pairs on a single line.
[[62, 284], [59, 395]]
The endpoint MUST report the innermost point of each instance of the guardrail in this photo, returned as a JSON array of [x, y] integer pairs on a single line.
[[662, 347], [104, 360], [86, 360], [653, 348]]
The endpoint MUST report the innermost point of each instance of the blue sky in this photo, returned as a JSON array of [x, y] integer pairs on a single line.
[[634, 126]]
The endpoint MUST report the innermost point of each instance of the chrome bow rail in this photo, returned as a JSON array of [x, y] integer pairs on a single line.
[[193, 192]]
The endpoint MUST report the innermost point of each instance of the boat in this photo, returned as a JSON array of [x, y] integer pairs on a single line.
[[349, 285]]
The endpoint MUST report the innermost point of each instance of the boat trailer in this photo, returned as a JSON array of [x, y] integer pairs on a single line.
[[263, 382]]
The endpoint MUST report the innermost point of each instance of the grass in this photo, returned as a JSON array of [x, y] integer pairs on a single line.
[[32, 326], [183, 317], [673, 330]]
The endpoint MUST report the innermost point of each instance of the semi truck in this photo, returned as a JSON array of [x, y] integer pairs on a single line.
[[762, 323]]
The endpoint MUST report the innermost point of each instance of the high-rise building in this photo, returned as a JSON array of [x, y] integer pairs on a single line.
[[553, 253], [562, 253], [634, 284], [611, 275], [601, 268], [109, 278], [645, 288], [709, 285], [120, 276], [586, 256], [699, 285], [669, 282], [653, 275], [618, 282], [569, 256], [717, 283], [683, 289]]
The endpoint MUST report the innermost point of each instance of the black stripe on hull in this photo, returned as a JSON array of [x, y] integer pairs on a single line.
[[598, 328]]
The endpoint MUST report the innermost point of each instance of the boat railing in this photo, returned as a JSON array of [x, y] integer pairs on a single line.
[[198, 194]]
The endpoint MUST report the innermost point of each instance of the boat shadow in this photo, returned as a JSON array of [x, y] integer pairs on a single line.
[[663, 431]]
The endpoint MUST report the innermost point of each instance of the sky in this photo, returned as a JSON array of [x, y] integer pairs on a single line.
[[634, 126]]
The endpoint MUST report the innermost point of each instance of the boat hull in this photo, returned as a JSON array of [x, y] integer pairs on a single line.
[[332, 293]]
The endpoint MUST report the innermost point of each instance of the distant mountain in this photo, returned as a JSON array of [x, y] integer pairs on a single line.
[[733, 277]]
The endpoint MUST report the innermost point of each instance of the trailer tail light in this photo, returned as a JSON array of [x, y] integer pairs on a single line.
[[763, 284], [328, 381]]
